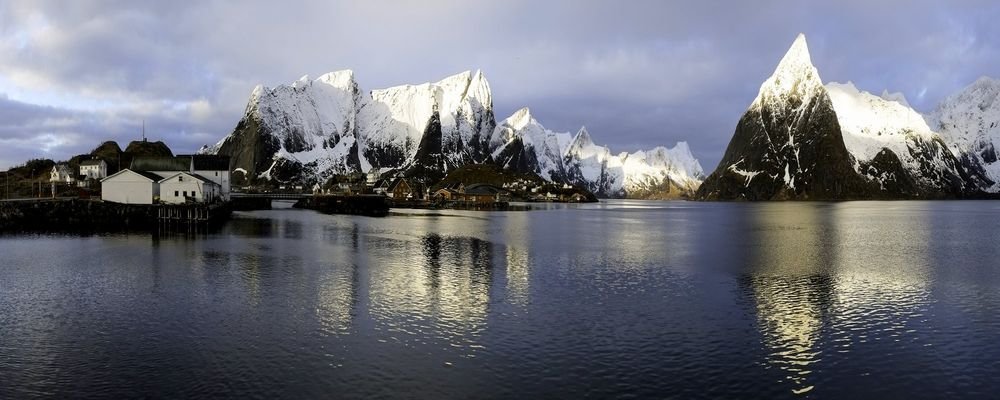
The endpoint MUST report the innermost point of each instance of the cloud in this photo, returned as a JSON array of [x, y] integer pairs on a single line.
[[638, 74]]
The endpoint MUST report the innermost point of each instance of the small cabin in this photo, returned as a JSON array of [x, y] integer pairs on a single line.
[[399, 189], [482, 193], [447, 194], [61, 173], [382, 186]]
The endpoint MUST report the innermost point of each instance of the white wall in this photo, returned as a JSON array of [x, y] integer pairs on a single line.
[[94, 171], [58, 176], [220, 177], [129, 188], [172, 190]]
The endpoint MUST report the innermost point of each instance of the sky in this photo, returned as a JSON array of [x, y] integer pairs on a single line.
[[637, 74]]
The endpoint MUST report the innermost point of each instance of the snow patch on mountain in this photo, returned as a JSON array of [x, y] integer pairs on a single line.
[[642, 171], [795, 79], [313, 129], [872, 123], [396, 119], [313, 121], [521, 127], [969, 121], [898, 97]]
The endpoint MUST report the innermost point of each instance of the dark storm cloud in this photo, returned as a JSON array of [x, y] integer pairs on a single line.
[[637, 74]]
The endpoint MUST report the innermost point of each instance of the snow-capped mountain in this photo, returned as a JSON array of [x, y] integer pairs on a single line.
[[788, 144], [969, 121], [521, 143], [642, 174], [396, 120], [311, 130], [801, 139], [308, 122], [892, 145]]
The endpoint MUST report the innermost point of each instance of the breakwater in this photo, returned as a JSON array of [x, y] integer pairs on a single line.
[[99, 216], [369, 205]]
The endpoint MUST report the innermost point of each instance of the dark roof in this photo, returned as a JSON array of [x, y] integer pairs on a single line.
[[203, 162], [147, 175], [455, 185], [382, 183], [482, 188], [91, 162], [195, 176], [161, 164]]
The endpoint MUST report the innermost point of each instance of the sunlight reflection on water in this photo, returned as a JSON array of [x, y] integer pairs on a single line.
[[616, 299]]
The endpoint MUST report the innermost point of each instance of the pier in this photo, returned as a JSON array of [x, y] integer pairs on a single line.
[[57, 215], [190, 215]]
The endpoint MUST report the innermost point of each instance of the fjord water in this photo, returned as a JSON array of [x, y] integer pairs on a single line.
[[617, 299]]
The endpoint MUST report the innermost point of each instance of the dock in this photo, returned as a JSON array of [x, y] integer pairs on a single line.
[[368, 205], [71, 214], [171, 216]]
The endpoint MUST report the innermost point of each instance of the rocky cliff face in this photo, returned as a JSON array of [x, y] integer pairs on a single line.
[[801, 140], [788, 145]]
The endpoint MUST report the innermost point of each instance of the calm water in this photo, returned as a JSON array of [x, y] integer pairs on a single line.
[[618, 299]]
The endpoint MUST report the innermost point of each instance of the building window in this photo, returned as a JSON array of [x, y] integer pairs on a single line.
[[185, 193], [176, 193], [216, 173], [180, 179]]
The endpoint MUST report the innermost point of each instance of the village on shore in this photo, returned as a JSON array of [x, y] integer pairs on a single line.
[[192, 188]]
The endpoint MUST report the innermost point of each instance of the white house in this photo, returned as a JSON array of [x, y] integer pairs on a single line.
[[215, 169], [212, 168], [181, 186], [94, 169], [61, 173], [131, 187]]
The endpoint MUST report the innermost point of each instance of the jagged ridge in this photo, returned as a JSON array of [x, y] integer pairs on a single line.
[[311, 130]]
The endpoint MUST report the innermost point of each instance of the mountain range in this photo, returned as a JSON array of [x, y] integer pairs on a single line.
[[314, 129], [803, 140], [799, 139]]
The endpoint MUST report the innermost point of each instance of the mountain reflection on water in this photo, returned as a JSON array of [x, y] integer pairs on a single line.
[[621, 298]]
